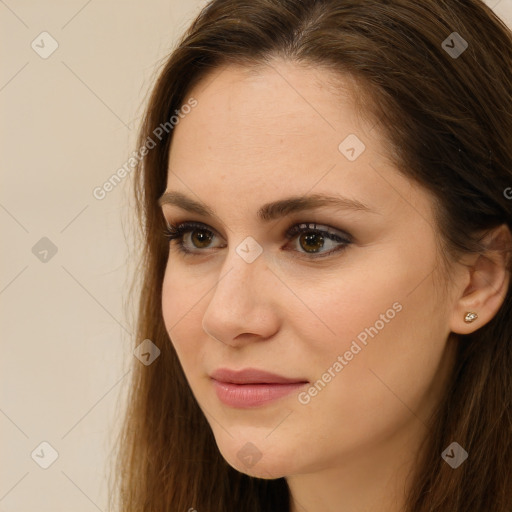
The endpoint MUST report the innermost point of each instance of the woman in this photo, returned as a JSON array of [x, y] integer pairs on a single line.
[[326, 209]]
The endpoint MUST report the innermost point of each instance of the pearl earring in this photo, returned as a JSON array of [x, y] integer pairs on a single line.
[[470, 317]]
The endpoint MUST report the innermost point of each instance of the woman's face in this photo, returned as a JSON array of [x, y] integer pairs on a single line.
[[355, 316]]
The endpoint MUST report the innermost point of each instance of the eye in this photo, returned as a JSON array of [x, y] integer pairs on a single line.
[[312, 239], [201, 236], [309, 237]]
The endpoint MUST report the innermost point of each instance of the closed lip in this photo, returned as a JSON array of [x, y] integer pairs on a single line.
[[252, 376]]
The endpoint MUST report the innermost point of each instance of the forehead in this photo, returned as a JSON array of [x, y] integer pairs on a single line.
[[278, 98], [268, 115]]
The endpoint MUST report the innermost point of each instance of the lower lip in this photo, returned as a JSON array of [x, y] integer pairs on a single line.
[[252, 395]]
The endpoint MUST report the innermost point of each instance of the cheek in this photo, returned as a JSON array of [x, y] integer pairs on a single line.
[[170, 301], [358, 304], [185, 298], [180, 309], [390, 294], [391, 334]]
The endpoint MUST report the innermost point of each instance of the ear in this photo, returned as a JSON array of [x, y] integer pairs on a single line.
[[485, 282]]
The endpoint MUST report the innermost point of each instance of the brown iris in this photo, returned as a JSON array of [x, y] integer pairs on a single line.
[[312, 239], [203, 237]]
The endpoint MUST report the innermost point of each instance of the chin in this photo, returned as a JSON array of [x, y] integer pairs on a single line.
[[267, 463], [263, 470]]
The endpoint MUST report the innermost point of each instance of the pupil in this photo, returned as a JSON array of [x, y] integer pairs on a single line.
[[310, 238]]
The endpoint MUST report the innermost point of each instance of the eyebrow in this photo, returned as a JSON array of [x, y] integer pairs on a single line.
[[269, 211]]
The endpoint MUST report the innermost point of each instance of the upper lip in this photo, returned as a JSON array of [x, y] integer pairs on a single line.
[[251, 376]]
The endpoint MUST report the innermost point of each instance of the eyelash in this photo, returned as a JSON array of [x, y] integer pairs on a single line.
[[177, 231]]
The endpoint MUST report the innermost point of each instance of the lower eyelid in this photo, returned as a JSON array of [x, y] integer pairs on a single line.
[[181, 229], [342, 242]]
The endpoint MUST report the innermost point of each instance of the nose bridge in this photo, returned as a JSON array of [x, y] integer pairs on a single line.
[[243, 264], [238, 295]]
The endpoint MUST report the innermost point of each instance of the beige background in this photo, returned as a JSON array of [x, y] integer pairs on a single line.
[[68, 123]]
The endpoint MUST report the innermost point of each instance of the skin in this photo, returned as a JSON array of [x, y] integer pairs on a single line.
[[261, 135]]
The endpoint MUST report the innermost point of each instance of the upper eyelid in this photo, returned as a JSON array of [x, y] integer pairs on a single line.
[[294, 226]]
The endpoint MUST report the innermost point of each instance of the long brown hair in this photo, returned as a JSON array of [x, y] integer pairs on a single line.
[[448, 118]]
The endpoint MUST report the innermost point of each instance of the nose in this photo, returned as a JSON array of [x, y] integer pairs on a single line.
[[242, 308]]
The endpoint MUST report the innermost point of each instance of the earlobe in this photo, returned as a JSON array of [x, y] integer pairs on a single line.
[[489, 281]]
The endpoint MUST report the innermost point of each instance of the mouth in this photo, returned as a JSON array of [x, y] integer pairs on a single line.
[[251, 387]]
